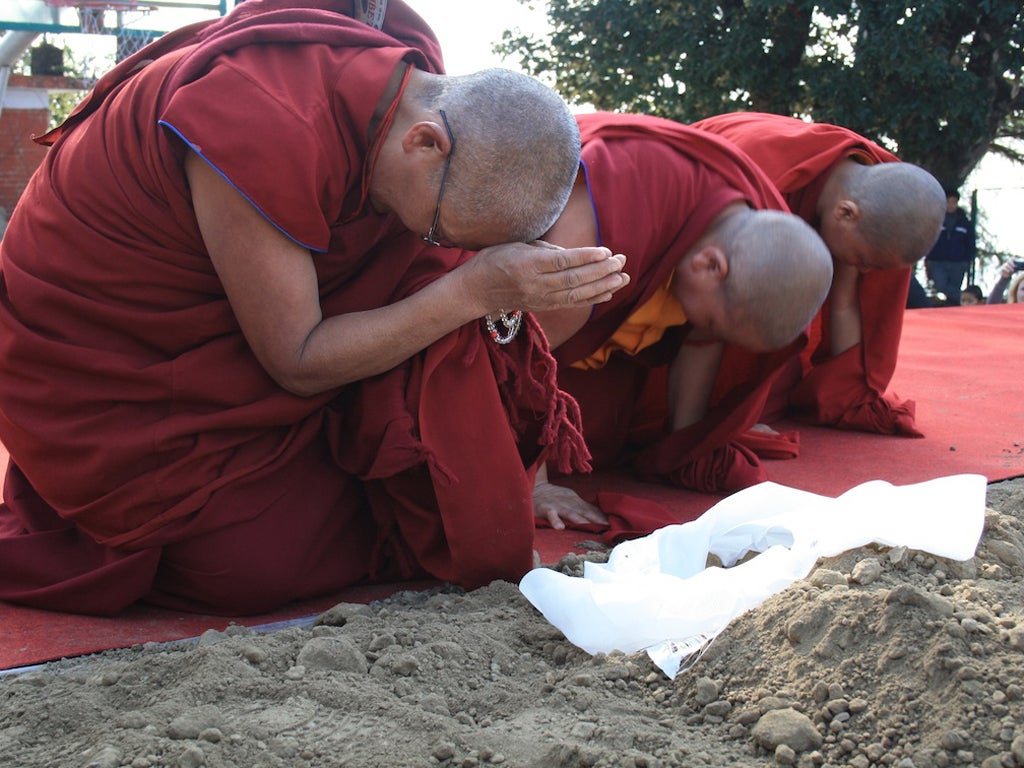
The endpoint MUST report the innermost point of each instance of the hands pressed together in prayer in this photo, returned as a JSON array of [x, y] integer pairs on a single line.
[[538, 276]]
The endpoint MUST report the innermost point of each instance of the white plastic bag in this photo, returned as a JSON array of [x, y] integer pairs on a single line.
[[656, 594]]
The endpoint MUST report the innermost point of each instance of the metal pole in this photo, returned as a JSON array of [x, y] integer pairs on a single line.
[[972, 268]]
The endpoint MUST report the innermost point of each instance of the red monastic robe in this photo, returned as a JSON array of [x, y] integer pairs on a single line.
[[655, 186], [151, 455], [849, 390]]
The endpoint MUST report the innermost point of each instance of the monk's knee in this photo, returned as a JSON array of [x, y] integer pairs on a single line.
[[239, 587]]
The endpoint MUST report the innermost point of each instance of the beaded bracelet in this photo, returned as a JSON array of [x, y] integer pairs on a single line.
[[511, 321]]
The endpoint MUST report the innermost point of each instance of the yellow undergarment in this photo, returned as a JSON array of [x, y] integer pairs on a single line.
[[642, 329]]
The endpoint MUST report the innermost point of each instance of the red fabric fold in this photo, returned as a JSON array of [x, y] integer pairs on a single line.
[[452, 493], [771, 445], [710, 469], [54, 552], [834, 393], [727, 469]]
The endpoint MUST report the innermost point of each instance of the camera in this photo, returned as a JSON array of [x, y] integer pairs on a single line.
[[1018, 265]]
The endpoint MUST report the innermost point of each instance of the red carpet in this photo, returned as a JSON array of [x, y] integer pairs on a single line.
[[963, 366], [965, 369]]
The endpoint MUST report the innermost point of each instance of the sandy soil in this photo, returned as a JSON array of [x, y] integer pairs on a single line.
[[882, 657]]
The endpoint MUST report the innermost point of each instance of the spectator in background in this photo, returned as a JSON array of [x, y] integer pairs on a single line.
[[971, 296], [1010, 274], [953, 252]]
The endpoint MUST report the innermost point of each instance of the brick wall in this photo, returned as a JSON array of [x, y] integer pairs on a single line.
[[25, 114], [20, 155]]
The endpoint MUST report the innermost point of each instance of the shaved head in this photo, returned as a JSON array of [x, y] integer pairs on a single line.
[[780, 272], [901, 205], [518, 149]]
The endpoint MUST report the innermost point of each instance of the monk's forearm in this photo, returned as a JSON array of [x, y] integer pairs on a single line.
[[691, 381], [356, 345], [844, 310], [845, 329], [512, 276]]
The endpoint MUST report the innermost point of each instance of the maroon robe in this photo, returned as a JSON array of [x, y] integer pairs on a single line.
[[151, 455], [849, 390], [656, 185]]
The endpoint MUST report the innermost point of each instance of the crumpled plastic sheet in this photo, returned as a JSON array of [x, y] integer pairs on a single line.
[[657, 594]]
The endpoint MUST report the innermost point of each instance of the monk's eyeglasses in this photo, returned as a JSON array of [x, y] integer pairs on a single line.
[[431, 236]]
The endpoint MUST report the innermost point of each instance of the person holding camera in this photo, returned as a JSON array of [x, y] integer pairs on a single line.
[[1010, 274]]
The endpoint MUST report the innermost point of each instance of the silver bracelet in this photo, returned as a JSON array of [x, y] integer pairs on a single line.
[[511, 321]]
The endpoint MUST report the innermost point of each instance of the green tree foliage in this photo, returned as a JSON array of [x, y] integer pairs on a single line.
[[937, 81]]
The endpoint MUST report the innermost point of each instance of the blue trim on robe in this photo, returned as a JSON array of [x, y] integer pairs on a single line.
[[224, 176]]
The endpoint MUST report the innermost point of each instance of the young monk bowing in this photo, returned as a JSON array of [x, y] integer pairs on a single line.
[[231, 373], [720, 273], [878, 217]]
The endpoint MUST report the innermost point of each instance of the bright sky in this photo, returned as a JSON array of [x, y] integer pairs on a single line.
[[1000, 186], [468, 29]]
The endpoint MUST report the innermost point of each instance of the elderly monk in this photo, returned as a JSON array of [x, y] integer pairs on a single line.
[[878, 217], [233, 375], [720, 273]]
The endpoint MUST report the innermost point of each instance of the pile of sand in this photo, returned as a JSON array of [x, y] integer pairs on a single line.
[[882, 657]]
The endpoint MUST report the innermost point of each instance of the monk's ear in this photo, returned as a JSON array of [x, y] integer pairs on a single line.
[[711, 263], [847, 211], [428, 137]]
